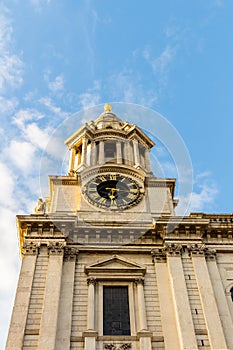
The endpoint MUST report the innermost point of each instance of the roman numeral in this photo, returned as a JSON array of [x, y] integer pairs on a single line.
[[102, 178], [112, 177]]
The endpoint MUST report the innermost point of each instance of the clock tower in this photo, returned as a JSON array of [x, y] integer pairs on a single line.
[[106, 263]]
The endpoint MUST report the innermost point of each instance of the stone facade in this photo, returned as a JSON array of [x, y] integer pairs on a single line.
[[178, 271]]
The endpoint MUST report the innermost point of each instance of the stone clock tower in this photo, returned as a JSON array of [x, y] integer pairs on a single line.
[[106, 263]]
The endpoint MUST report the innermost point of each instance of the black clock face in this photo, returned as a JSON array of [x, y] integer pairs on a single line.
[[113, 191]]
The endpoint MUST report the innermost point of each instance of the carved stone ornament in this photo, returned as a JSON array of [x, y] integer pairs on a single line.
[[125, 346], [210, 254], [70, 253], [197, 249], [159, 255], [173, 249], [30, 248], [56, 248]]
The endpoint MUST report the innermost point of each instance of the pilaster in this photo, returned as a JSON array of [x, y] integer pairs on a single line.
[[211, 314], [220, 296], [66, 299], [49, 317], [180, 297], [91, 334], [20, 311], [143, 334], [168, 316]]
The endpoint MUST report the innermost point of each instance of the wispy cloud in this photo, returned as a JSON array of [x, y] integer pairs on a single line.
[[57, 84], [11, 65], [161, 64], [91, 97], [39, 4], [203, 196]]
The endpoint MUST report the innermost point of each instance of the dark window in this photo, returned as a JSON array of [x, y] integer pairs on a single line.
[[231, 291], [110, 150], [116, 311]]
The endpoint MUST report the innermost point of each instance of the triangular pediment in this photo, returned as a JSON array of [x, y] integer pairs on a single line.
[[115, 263]]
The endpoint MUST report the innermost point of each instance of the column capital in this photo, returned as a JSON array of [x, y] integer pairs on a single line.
[[70, 253], [159, 255], [30, 248], [210, 254], [139, 281], [91, 281], [197, 249], [173, 249], [56, 248]]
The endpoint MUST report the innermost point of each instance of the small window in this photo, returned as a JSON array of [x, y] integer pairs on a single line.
[[231, 291], [116, 319]]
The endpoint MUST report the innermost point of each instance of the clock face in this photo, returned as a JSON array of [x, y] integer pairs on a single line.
[[113, 191]]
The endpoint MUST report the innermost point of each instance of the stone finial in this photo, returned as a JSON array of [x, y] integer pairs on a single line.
[[107, 107]]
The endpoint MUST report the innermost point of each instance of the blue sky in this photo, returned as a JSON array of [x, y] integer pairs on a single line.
[[60, 57]]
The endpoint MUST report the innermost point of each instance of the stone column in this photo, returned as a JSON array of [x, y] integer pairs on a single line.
[[136, 152], [118, 153], [49, 318], [220, 296], [180, 298], [143, 334], [93, 153], [147, 160], [168, 317], [126, 152], [66, 300], [101, 152], [209, 306], [72, 160], [22, 299], [84, 151], [91, 334]]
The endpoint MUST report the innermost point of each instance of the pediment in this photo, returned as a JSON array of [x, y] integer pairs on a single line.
[[115, 264]]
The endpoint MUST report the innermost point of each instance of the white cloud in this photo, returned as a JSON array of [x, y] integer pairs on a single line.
[[25, 115], [48, 103], [7, 106], [91, 97], [161, 64], [126, 86], [39, 4], [22, 155], [203, 196], [6, 185], [57, 84]]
